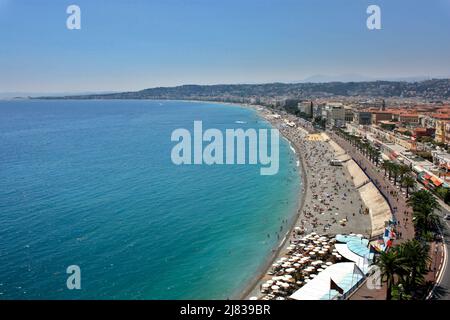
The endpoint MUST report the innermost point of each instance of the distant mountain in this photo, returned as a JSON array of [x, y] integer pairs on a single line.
[[435, 89], [354, 77], [320, 78]]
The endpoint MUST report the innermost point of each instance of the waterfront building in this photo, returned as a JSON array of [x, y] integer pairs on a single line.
[[441, 120], [427, 121], [306, 107], [378, 116], [409, 118], [362, 118]]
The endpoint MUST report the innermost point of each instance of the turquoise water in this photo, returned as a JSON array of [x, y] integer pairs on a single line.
[[91, 183]]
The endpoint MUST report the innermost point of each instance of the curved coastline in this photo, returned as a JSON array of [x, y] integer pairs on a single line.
[[254, 283]]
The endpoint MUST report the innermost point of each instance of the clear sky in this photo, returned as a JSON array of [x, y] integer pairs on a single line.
[[135, 44]]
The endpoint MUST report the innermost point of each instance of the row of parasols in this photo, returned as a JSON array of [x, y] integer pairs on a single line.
[[305, 259]]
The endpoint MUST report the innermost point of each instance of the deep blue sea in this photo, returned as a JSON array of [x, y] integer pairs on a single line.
[[91, 183]]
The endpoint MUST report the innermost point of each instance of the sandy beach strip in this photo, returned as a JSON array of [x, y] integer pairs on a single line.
[[327, 195]]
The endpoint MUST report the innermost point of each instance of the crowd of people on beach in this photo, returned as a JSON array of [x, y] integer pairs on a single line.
[[331, 203]]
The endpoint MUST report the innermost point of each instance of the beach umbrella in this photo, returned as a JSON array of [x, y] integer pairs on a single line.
[[285, 285], [312, 276], [275, 288], [320, 270], [253, 298], [265, 285], [329, 263]]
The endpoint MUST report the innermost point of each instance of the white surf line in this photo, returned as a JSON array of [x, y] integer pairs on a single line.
[[282, 241]]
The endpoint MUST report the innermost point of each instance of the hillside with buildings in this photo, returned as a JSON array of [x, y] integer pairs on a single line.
[[436, 89]]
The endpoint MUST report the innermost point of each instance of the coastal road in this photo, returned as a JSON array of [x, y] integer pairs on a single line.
[[441, 290]]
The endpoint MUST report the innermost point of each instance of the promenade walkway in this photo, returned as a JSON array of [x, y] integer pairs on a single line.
[[397, 202], [403, 214]]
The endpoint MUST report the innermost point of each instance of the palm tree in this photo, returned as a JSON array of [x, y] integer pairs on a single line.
[[395, 172], [416, 258], [390, 264], [423, 200], [377, 156], [403, 169], [408, 182], [386, 165], [424, 205], [426, 220]]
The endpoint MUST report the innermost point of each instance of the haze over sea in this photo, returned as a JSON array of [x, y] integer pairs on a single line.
[[91, 183]]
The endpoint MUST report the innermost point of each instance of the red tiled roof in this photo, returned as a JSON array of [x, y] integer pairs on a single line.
[[441, 116]]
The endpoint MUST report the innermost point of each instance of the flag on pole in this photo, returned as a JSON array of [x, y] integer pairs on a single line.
[[334, 286], [357, 270], [372, 249]]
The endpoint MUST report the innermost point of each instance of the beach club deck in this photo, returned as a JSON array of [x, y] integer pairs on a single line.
[[345, 274], [355, 249]]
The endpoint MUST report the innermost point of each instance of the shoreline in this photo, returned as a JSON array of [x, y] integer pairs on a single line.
[[314, 213], [262, 271]]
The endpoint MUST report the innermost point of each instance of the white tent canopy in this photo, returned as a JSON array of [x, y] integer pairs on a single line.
[[343, 274], [344, 251]]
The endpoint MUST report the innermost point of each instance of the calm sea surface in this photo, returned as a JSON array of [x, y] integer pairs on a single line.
[[91, 183]]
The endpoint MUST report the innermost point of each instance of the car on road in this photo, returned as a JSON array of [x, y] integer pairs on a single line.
[[447, 216]]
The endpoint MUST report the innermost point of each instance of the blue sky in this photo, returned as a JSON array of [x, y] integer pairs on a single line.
[[135, 44]]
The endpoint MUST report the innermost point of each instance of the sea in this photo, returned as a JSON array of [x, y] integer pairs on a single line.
[[91, 184]]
